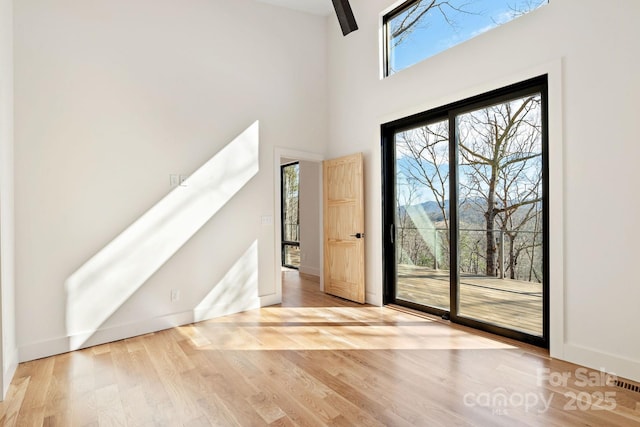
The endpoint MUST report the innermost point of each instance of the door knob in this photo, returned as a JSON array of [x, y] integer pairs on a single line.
[[358, 235]]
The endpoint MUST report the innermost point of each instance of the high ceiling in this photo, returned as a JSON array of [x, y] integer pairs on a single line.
[[317, 7]]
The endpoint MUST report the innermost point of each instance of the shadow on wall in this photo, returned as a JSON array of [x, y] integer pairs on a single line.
[[105, 282]]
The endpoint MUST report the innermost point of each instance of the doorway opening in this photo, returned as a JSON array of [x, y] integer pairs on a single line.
[[308, 226]]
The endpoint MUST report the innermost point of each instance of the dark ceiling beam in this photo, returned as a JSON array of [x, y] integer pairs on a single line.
[[345, 16]]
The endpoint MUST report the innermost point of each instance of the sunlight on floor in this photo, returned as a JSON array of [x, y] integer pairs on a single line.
[[348, 328]]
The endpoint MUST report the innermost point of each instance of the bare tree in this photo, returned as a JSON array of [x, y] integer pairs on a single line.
[[415, 16], [519, 226], [525, 6], [427, 147], [534, 255], [291, 201], [500, 164], [500, 153], [404, 198], [423, 155]]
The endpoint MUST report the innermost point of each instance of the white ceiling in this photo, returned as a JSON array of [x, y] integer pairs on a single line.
[[317, 7]]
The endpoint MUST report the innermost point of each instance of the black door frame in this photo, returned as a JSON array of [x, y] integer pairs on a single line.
[[283, 242], [449, 112]]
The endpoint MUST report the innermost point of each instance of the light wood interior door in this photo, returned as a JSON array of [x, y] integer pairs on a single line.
[[343, 207]]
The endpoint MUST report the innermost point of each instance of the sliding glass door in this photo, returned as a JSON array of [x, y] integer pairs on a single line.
[[422, 232], [465, 209], [500, 200]]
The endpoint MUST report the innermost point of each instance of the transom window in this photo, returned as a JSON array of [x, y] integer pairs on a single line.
[[419, 29]]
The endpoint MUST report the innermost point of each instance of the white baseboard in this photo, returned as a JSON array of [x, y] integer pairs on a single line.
[[9, 372], [312, 271], [594, 359], [309, 277], [271, 299], [374, 299], [78, 341]]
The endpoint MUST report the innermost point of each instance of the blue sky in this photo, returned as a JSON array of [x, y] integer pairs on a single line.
[[433, 34]]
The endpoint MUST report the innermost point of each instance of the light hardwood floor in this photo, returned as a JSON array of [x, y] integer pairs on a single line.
[[315, 360]]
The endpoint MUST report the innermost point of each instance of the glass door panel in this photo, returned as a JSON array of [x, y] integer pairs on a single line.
[[422, 235], [500, 214], [290, 180]]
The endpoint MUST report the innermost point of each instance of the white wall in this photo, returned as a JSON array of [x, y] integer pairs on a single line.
[[111, 98], [9, 356], [589, 53], [310, 195]]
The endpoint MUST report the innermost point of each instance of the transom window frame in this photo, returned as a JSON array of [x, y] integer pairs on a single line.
[[391, 13]]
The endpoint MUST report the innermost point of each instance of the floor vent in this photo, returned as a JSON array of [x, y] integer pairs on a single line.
[[627, 386]]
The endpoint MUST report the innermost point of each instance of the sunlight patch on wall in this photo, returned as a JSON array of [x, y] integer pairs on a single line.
[[98, 288], [236, 291]]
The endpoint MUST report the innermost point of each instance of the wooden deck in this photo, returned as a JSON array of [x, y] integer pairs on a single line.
[[510, 303], [292, 258]]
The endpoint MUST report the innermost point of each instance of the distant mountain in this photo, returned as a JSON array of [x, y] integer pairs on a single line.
[[433, 210], [469, 213]]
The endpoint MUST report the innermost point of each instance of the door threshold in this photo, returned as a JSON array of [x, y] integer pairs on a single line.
[[540, 351]]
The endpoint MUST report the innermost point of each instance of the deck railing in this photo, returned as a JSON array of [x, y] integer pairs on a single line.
[[438, 245], [291, 232]]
